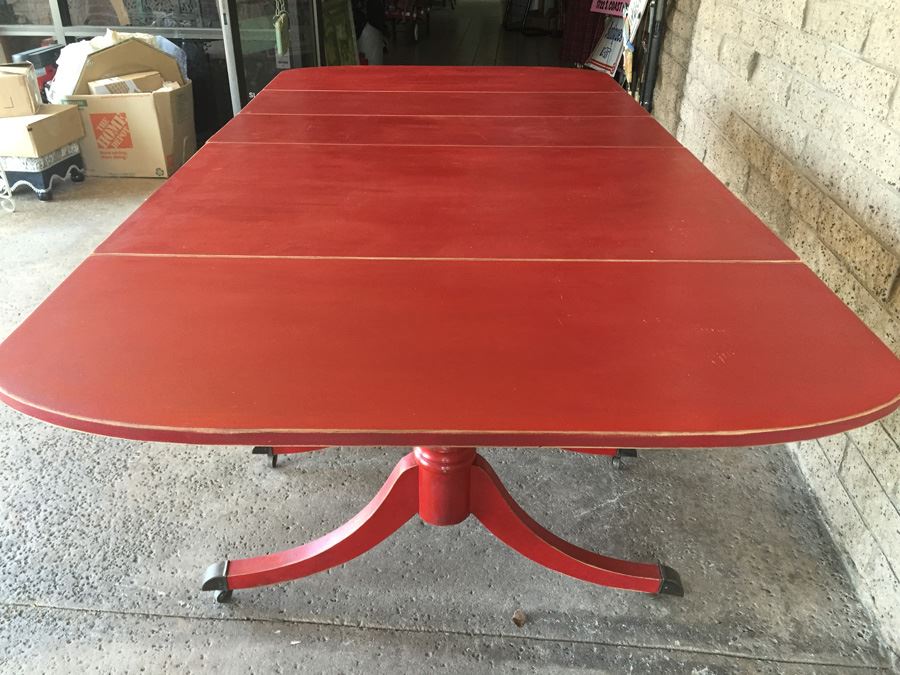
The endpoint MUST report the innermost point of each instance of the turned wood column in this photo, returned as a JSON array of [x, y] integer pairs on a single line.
[[444, 484]]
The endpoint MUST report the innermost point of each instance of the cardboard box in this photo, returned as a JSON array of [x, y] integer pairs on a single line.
[[52, 127], [19, 93], [142, 134], [135, 83]]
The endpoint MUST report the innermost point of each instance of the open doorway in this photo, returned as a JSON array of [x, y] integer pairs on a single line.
[[471, 33]]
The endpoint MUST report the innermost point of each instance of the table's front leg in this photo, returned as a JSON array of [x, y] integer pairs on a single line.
[[395, 503]]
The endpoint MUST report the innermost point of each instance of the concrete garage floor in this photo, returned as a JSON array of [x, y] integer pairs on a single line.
[[103, 544]]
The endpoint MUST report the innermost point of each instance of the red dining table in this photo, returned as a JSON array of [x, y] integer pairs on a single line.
[[446, 258]]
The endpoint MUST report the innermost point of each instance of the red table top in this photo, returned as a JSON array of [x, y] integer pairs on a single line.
[[456, 256]]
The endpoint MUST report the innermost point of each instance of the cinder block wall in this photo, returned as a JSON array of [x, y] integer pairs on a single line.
[[794, 105]]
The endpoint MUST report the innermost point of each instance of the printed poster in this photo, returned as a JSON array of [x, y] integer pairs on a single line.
[[608, 52], [614, 41], [612, 7]]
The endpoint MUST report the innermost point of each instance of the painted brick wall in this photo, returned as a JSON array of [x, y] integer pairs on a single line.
[[794, 104]]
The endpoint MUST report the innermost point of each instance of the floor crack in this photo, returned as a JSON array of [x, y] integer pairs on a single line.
[[454, 632]]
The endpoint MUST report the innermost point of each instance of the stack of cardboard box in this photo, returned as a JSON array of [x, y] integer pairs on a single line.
[[137, 110], [38, 142], [131, 108]]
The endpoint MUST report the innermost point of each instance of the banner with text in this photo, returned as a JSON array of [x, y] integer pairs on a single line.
[[613, 7]]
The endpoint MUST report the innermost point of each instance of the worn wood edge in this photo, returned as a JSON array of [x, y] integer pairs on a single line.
[[604, 438], [214, 141], [245, 111], [242, 256], [614, 92]]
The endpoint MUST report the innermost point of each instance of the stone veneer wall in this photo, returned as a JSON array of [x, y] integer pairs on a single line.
[[794, 105]]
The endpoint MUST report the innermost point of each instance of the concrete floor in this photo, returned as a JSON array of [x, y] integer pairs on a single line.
[[103, 543]]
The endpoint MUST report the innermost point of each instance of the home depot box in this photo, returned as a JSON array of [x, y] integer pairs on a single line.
[[139, 134], [19, 93], [52, 127]]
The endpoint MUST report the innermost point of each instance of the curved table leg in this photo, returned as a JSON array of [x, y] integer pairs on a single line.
[[395, 503], [505, 519]]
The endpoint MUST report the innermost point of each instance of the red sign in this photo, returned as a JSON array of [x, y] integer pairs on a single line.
[[111, 130]]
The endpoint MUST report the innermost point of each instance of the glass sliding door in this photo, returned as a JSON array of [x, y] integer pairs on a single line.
[[13, 44], [232, 46], [259, 39], [157, 13], [209, 76], [24, 25], [17, 13]]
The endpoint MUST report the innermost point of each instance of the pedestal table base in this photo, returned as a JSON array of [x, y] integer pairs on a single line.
[[443, 486]]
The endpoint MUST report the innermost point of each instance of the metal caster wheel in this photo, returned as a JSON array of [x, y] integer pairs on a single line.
[[77, 176], [269, 452], [216, 580], [671, 582], [616, 460], [45, 196]]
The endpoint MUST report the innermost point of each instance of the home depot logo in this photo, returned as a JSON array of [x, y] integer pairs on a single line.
[[111, 130]]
